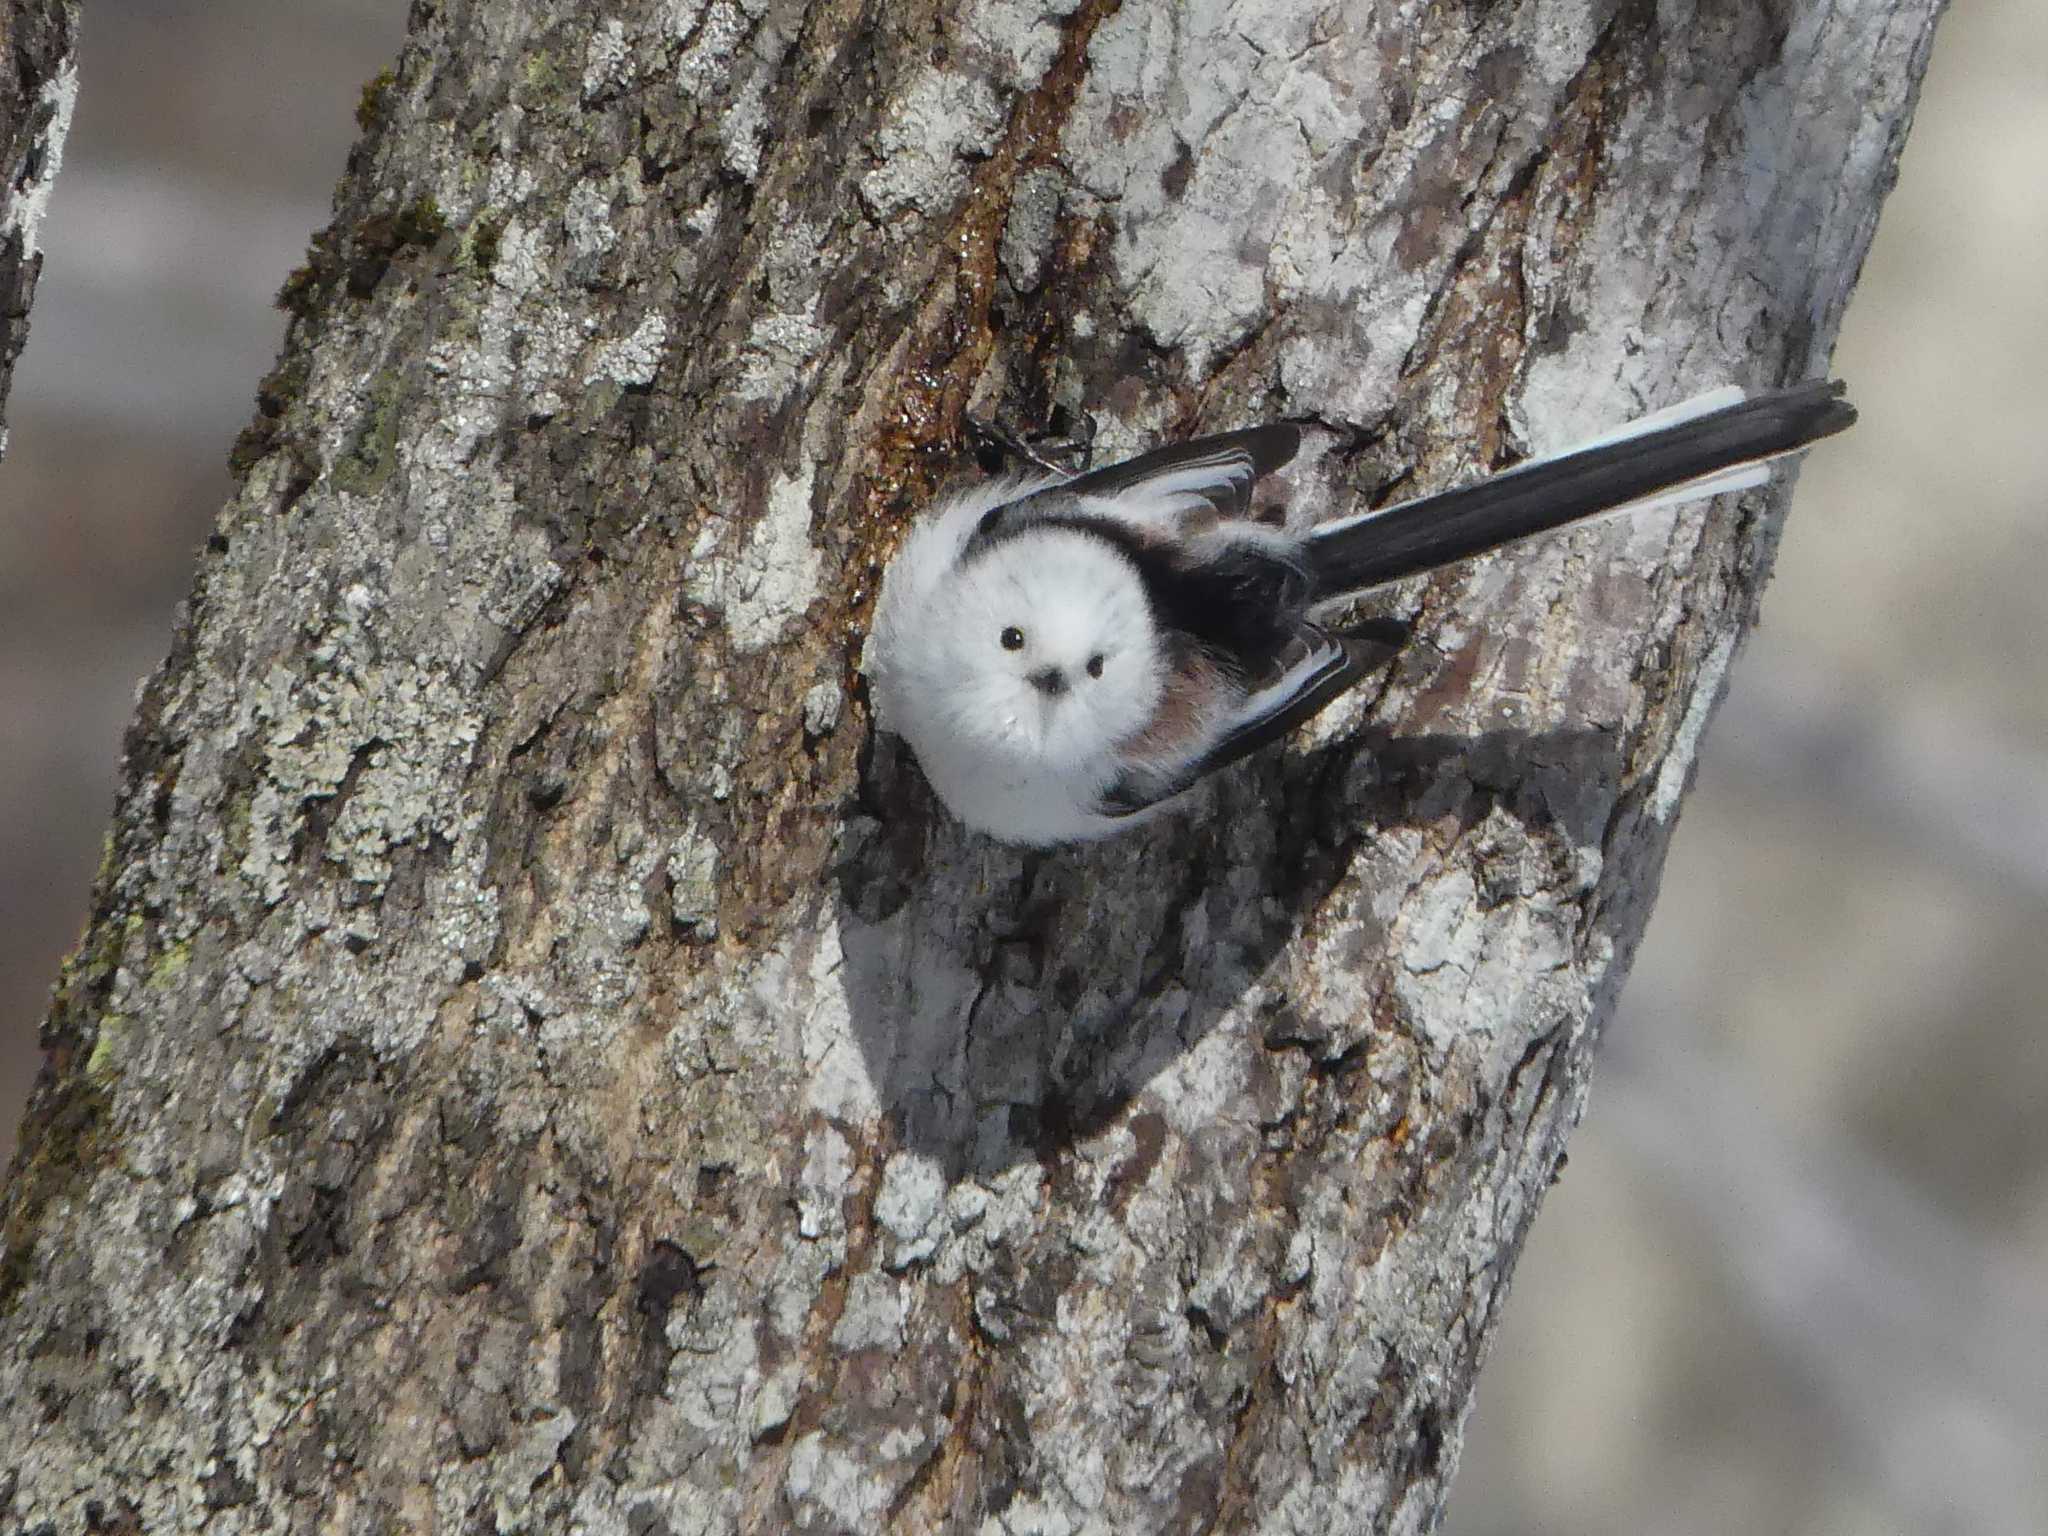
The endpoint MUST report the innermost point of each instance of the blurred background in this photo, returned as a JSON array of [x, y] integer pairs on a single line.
[[1794, 1278]]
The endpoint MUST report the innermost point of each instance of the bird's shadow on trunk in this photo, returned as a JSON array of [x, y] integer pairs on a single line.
[[1006, 1002]]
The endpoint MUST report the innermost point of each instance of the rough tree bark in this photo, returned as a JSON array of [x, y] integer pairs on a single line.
[[38, 86], [538, 1063]]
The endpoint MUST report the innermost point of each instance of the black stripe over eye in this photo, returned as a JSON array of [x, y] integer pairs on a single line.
[[1013, 639]]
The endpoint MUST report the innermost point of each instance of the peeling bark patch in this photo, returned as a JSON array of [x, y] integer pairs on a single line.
[[940, 119], [774, 578], [909, 1207], [873, 1316], [38, 91], [632, 362], [1683, 753], [28, 200]]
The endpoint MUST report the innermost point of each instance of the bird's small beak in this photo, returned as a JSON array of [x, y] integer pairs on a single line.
[[1050, 681]]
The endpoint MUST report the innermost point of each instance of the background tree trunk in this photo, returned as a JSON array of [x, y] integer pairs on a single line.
[[536, 1060], [38, 87]]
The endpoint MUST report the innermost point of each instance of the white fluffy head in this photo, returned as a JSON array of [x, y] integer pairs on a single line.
[[1051, 648], [1016, 671]]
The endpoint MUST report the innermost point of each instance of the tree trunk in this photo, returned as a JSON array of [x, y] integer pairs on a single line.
[[38, 86], [539, 1063]]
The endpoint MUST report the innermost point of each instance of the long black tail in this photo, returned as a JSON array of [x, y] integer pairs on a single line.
[[1693, 455]]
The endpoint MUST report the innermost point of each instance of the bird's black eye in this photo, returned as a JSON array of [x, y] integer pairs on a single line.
[[1013, 639], [1095, 665]]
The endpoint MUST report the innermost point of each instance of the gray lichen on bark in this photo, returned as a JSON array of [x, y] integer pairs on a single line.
[[538, 1063], [38, 90]]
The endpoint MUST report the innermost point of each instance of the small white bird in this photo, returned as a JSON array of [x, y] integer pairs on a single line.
[[1066, 654]]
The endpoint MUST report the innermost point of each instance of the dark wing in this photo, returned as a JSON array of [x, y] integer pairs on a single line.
[[1326, 666], [1221, 470]]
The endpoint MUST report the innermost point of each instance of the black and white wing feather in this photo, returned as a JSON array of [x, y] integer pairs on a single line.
[[1324, 666], [1215, 475], [1220, 470]]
